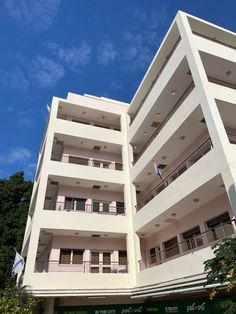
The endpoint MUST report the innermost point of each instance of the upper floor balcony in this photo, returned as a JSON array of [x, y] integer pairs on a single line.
[[156, 69], [212, 33], [83, 197], [88, 115], [146, 196], [76, 150]]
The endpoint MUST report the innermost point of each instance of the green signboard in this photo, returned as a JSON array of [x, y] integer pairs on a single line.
[[163, 308], [197, 306], [190, 306], [103, 309]]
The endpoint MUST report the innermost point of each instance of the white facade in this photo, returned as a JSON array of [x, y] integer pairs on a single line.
[[101, 223]]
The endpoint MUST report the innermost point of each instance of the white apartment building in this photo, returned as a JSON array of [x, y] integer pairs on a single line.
[[104, 233]]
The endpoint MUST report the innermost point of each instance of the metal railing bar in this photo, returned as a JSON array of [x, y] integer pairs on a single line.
[[177, 168], [156, 78], [163, 123], [199, 236], [213, 39]]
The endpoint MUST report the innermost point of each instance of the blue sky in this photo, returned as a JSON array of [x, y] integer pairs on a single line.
[[98, 47]]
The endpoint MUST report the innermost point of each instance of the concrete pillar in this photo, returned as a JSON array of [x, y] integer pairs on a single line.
[[49, 306]]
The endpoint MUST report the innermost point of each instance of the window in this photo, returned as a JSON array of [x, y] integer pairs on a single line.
[[95, 258], [171, 247], [65, 256], [100, 262], [101, 206], [105, 207], [120, 207], [72, 203], [220, 227], [78, 160], [106, 258], [122, 258], [77, 257], [192, 239], [155, 256], [71, 256]]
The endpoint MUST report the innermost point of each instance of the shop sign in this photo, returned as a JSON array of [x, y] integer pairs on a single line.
[[197, 306], [103, 309]]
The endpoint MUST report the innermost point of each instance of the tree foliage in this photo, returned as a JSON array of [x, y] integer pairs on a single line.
[[16, 300], [222, 267], [15, 195]]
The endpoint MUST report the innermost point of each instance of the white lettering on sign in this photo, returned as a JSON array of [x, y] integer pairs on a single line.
[[196, 307], [132, 310]]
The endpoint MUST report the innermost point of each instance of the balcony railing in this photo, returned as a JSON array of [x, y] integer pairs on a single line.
[[214, 40], [92, 123], [163, 123], [83, 267], [71, 206], [156, 78], [221, 82], [85, 161], [181, 168], [197, 242]]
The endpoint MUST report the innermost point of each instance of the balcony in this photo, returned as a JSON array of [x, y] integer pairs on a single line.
[[196, 242], [203, 149], [85, 161], [79, 205], [161, 125], [84, 267], [155, 79]]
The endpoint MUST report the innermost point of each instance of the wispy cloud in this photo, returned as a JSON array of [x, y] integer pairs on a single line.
[[106, 52], [142, 39], [29, 170], [45, 72], [14, 79], [25, 117], [137, 53], [38, 14], [16, 155], [74, 57]]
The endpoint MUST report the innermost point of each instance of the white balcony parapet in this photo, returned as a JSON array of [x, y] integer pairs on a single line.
[[210, 237]]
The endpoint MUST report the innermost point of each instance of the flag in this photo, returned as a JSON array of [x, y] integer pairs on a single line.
[[18, 265], [157, 170]]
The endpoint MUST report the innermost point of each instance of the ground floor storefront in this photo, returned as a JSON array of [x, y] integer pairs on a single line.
[[183, 306]]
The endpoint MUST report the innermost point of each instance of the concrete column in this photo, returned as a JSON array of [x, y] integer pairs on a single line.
[[49, 306]]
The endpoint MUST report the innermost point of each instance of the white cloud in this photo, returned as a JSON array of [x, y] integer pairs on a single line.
[[106, 52], [45, 72], [30, 170], [38, 14], [14, 79], [16, 155], [25, 117], [74, 57], [137, 53]]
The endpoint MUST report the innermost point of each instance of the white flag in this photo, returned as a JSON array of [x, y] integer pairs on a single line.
[[18, 265]]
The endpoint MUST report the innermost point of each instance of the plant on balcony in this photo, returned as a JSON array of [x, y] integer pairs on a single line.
[[16, 300], [222, 269]]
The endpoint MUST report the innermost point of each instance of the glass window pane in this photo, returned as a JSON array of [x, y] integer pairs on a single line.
[[65, 256], [95, 258], [106, 258], [77, 256]]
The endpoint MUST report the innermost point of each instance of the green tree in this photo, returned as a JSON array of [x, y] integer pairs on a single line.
[[15, 195], [222, 269], [16, 300]]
